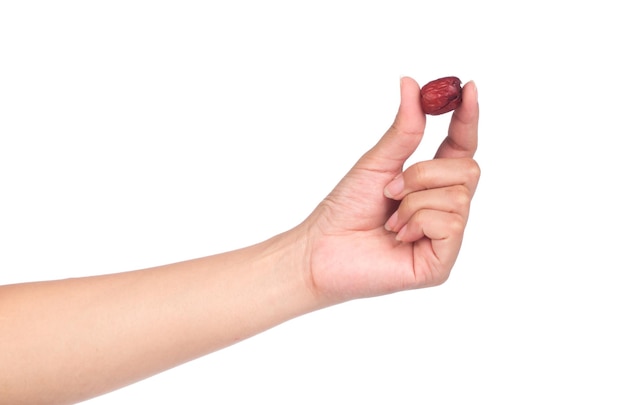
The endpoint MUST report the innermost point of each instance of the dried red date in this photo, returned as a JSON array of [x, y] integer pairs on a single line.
[[441, 96]]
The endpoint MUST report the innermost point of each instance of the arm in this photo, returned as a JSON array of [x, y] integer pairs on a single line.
[[77, 338], [382, 229]]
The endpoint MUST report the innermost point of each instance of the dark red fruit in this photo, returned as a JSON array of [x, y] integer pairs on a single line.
[[441, 96]]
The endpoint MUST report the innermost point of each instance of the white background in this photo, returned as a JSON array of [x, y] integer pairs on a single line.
[[137, 133]]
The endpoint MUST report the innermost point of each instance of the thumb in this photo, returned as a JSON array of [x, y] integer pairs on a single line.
[[404, 135]]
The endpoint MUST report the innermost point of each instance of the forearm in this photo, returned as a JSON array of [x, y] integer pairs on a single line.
[[74, 339]]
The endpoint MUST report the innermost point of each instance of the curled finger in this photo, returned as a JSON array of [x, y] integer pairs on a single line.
[[433, 174], [453, 199]]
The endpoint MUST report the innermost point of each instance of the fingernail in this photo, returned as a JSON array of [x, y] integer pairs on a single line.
[[401, 233], [475, 89], [392, 221], [395, 187]]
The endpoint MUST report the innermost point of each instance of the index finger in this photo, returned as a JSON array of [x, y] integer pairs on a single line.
[[462, 139]]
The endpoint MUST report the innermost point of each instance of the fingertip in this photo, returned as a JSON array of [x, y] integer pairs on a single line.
[[394, 189], [462, 139], [471, 91], [467, 112], [409, 88], [469, 105], [410, 113], [405, 133], [408, 81]]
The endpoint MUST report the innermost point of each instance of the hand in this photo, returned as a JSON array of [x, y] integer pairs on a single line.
[[382, 229]]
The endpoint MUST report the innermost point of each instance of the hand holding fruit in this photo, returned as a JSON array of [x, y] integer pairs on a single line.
[[385, 228]]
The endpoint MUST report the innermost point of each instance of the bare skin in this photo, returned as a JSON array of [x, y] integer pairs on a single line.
[[383, 229]]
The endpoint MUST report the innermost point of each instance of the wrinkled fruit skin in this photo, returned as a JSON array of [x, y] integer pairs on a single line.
[[441, 96]]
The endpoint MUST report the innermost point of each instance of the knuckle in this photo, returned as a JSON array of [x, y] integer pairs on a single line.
[[460, 197], [419, 176], [456, 225], [472, 170], [442, 278]]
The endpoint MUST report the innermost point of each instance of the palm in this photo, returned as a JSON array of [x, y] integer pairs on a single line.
[[355, 256]]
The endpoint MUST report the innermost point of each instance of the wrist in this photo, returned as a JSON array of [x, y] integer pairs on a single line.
[[285, 258]]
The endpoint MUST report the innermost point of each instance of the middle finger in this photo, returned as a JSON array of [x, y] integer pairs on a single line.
[[453, 199], [433, 174]]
